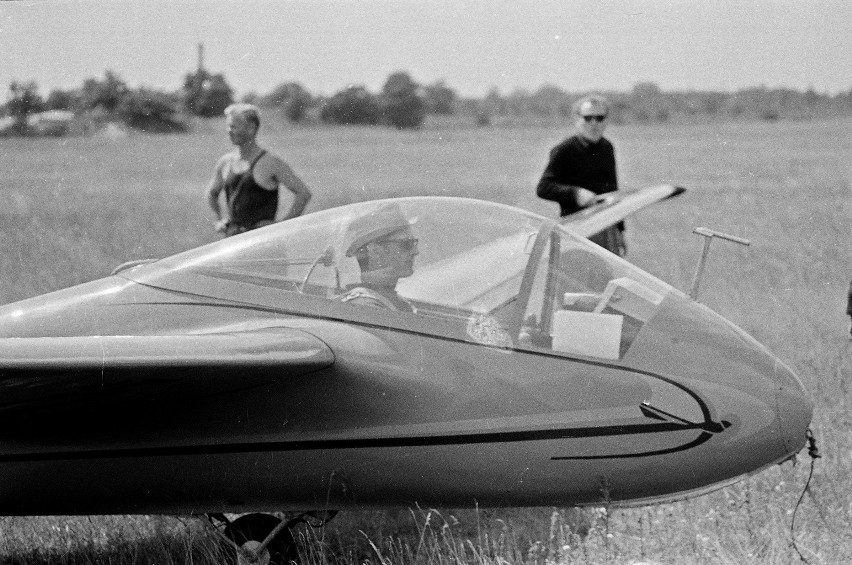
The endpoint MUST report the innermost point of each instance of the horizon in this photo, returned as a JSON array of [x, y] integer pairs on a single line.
[[473, 46]]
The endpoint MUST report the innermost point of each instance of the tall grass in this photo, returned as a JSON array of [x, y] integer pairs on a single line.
[[72, 209]]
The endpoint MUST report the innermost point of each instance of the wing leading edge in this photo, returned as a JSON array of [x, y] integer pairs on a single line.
[[33, 370], [613, 207]]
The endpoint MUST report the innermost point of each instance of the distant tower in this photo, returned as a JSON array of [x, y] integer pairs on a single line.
[[200, 58]]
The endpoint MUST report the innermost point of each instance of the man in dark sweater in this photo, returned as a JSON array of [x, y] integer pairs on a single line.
[[582, 167]]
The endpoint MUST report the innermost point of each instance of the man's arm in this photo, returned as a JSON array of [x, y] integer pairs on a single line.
[[552, 185], [214, 189], [284, 176], [550, 190]]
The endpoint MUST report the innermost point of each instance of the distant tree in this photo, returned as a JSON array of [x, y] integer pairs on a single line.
[[711, 103], [468, 106], [251, 98], [649, 103], [403, 106], [619, 108], [843, 100], [641, 115], [646, 90], [440, 99], [205, 94], [550, 100], [106, 94], [23, 100], [353, 105], [62, 100], [291, 98], [735, 108], [491, 105], [151, 111]]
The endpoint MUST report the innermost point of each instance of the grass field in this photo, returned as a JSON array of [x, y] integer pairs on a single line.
[[74, 208]]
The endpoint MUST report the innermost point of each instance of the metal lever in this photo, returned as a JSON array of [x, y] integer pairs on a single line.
[[708, 235]]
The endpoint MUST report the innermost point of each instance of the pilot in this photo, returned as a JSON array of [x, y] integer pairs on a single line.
[[385, 247]]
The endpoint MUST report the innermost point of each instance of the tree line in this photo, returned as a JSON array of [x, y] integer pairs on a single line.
[[646, 102], [402, 103]]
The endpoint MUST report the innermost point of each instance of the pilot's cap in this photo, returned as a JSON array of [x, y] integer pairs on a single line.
[[375, 224]]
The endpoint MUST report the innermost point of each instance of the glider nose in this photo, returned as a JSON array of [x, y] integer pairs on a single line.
[[795, 408]]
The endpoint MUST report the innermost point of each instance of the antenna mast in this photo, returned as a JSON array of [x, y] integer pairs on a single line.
[[200, 58]]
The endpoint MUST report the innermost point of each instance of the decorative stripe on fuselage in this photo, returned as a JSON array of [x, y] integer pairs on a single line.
[[706, 430]]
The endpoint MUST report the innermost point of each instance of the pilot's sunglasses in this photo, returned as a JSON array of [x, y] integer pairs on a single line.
[[407, 244], [595, 117]]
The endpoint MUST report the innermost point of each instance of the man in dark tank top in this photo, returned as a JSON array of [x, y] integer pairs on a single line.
[[250, 178]]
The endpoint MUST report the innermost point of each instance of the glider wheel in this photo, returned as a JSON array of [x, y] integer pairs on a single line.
[[249, 531]]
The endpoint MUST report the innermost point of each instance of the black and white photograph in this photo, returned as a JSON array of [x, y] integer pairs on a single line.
[[425, 282]]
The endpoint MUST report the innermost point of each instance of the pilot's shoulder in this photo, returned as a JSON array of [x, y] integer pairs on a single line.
[[363, 296]]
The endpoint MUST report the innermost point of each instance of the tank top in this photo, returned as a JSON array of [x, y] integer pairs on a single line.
[[248, 202]]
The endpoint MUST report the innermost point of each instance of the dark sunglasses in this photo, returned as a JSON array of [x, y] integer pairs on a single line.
[[595, 117]]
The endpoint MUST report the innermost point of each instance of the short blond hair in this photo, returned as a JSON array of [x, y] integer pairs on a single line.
[[249, 111], [591, 100]]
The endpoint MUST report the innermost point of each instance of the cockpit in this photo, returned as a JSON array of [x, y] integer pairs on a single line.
[[480, 272]]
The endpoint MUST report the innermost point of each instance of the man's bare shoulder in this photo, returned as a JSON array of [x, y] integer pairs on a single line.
[[272, 162], [271, 169], [226, 159]]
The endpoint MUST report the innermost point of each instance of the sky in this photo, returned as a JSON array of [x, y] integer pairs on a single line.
[[473, 46]]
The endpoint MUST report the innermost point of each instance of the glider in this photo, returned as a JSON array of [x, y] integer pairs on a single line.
[[534, 368]]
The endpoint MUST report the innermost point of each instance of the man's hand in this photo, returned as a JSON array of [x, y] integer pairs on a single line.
[[621, 243], [221, 226], [586, 197]]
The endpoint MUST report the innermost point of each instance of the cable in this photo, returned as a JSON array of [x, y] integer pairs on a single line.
[[814, 453]]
